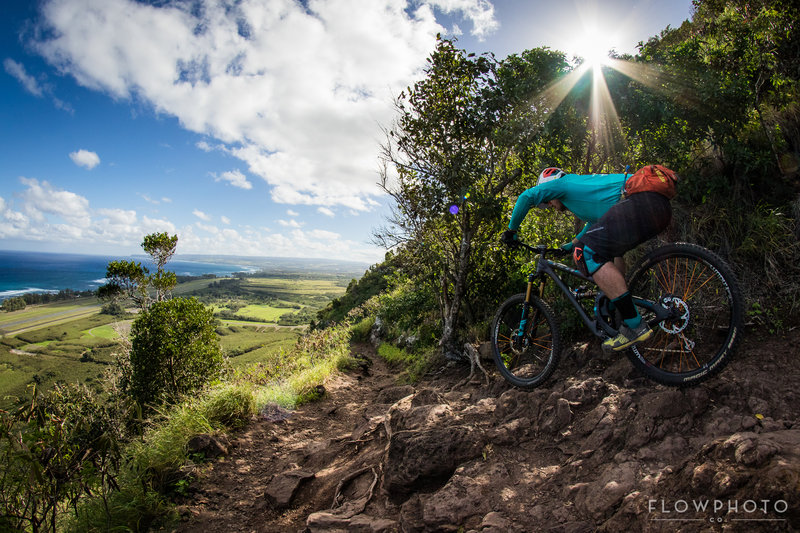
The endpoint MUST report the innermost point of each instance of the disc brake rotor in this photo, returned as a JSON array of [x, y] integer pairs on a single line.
[[681, 321]]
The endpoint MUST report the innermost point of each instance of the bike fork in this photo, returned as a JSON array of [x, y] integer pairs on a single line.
[[526, 305]]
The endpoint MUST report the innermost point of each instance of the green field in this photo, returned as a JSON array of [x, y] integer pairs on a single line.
[[48, 314], [56, 353], [282, 300], [73, 342], [246, 344]]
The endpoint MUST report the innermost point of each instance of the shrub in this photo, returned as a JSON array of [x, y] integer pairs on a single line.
[[113, 308], [360, 331], [414, 364], [174, 350], [230, 405], [405, 308], [58, 447], [13, 304]]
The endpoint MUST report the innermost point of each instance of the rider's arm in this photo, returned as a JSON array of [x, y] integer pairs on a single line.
[[528, 199]]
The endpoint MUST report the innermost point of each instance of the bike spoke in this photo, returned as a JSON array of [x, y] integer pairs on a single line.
[[524, 357]]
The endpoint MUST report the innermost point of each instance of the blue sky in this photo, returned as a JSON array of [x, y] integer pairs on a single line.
[[247, 127]]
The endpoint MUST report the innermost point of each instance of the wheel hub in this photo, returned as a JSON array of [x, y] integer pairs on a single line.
[[680, 319]]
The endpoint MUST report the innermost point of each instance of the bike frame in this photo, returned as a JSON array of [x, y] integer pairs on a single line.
[[546, 268]]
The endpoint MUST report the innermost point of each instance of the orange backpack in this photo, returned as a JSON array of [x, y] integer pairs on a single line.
[[653, 178]]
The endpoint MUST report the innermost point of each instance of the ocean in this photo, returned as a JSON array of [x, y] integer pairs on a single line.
[[22, 272]]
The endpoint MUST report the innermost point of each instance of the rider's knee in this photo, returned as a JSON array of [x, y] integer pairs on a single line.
[[586, 259]]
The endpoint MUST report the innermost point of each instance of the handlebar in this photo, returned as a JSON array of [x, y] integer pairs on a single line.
[[543, 250]]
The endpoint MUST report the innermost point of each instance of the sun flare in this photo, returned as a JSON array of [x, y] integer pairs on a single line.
[[592, 46]]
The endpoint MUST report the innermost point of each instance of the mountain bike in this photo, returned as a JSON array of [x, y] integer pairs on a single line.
[[687, 294]]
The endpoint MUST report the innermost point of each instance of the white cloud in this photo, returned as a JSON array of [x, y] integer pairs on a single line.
[[290, 223], [479, 12], [325, 211], [296, 90], [235, 178], [225, 220], [42, 200], [119, 216], [17, 70], [155, 225], [42, 213], [292, 213], [85, 158], [202, 216]]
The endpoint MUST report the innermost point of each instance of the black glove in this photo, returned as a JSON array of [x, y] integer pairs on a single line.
[[509, 238]]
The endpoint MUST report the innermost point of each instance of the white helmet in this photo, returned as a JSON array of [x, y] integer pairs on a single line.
[[550, 174]]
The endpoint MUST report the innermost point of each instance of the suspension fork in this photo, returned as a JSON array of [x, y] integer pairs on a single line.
[[526, 305]]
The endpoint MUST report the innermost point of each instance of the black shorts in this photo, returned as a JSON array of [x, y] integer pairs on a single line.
[[629, 223]]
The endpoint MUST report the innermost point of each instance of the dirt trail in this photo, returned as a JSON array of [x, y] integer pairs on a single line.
[[230, 494], [597, 448]]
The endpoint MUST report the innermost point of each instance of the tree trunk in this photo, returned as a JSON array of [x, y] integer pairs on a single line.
[[451, 347]]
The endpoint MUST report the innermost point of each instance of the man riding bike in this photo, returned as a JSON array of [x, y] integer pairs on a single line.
[[616, 222]]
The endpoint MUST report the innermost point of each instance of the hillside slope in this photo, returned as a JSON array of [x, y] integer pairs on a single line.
[[597, 448]]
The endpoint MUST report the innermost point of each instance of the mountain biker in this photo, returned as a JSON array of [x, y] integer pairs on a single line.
[[615, 223]]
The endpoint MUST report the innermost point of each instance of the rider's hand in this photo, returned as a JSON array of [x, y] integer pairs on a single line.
[[568, 246], [509, 237]]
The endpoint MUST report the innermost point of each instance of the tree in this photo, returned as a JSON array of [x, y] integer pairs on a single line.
[[463, 135], [130, 279], [13, 304], [126, 279], [161, 247], [735, 68], [174, 350]]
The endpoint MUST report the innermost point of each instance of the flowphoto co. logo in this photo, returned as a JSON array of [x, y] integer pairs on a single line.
[[717, 511]]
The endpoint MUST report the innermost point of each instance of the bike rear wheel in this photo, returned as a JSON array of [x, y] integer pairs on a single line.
[[526, 348], [702, 290]]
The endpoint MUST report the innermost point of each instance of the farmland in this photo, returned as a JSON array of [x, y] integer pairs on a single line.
[[73, 342]]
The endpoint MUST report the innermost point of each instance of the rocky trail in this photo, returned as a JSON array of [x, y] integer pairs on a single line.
[[597, 448]]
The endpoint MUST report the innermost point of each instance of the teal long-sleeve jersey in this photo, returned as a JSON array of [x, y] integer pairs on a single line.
[[587, 196]]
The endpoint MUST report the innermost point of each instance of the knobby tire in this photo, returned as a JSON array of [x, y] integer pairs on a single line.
[[528, 362], [703, 290]]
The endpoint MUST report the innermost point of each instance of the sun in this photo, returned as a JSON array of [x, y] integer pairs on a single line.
[[592, 46]]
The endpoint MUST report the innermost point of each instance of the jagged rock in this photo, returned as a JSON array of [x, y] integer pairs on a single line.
[[282, 488], [393, 394], [482, 411], [600, 496], [422, 418], [557, 417], [275, 413], [376, 332], [586, 391], [515, 431], [427, 397], [327, 522], [209, 445], [423, 458], [665, 404], [494, 522]]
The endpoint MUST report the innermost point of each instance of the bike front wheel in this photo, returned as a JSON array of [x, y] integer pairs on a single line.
[[702, 291], [525, 342]]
